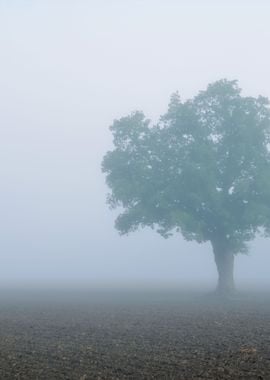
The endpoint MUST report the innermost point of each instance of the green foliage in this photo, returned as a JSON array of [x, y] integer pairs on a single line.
[[202, 170]]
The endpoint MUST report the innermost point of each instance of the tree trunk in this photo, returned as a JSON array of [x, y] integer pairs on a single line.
[[224, 259]]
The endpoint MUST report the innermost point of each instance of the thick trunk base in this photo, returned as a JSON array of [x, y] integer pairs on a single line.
[[224, 259]]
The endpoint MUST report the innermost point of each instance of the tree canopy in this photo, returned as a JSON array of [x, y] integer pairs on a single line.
[[202, 170]]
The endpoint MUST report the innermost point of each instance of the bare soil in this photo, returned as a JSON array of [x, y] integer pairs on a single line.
[[87, 335]]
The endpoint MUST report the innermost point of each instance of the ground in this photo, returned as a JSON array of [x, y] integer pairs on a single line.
[[86, 334]]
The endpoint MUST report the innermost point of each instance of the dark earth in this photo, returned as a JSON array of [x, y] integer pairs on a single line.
[[169, 334]]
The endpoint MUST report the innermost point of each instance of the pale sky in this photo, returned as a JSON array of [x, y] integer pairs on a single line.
[[67, 70]]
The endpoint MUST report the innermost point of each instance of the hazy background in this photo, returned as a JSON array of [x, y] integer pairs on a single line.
[[67, 69]]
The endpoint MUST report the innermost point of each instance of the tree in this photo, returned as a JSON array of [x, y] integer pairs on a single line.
[[203, 170]]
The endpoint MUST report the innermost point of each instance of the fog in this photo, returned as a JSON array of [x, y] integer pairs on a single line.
[[67, 70]]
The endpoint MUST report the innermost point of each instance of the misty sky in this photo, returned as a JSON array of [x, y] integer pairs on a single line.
[[67, 70]]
